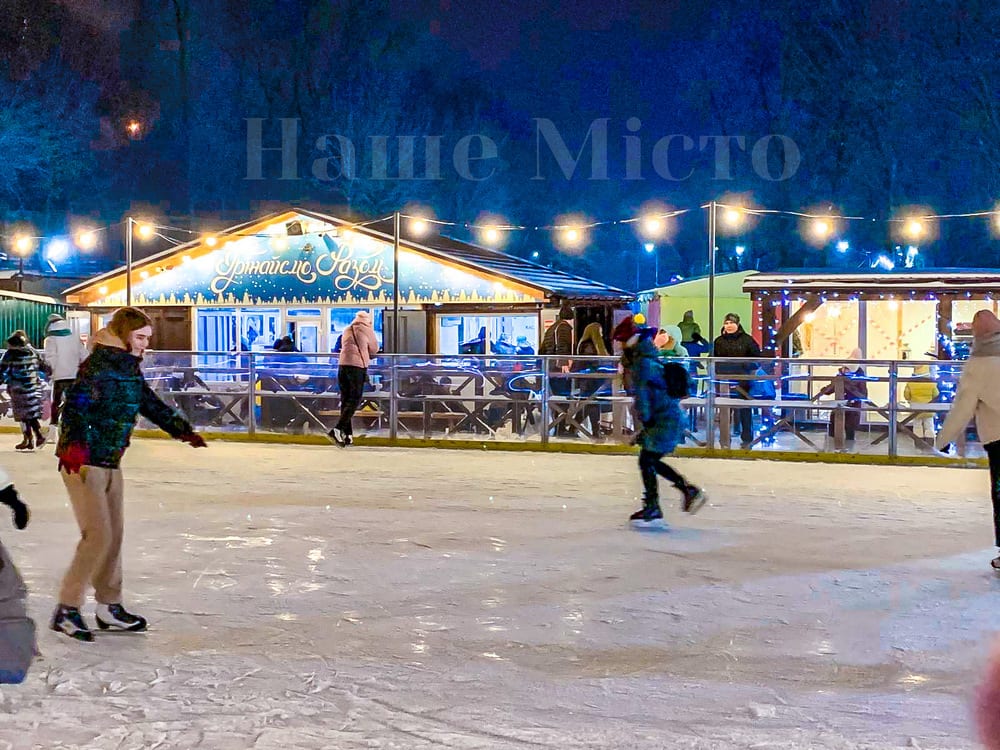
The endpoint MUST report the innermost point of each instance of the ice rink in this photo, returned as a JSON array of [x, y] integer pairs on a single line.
[[313, 597]]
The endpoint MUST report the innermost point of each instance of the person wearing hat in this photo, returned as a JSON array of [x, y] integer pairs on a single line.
[[358, 347], [978, 396], [21, 370], [101, 409], [63, 351], [736, 343], [691, 338], [558, 341], [851, 381]]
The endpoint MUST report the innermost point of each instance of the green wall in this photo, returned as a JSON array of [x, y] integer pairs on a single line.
[[28, 315], [693, 295]]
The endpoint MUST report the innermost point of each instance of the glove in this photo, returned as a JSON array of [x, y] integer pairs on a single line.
[[73, 457], [193, 439], [8, 496]]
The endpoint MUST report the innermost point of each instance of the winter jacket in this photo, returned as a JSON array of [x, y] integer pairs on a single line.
[[923, 391], [20, 369], [977, 395], [854, 384], [690, 331], [660, 415], [17, 630], [359, 343], [558, 340], [738, 344], [63, 350], [104, 401]]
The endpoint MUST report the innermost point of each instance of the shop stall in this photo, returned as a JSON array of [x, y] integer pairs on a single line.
[[305, 275]]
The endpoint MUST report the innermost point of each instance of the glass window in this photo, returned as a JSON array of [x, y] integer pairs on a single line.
[[487, 334], [831, 332], [341, 317], [216, 329], [259, 328]]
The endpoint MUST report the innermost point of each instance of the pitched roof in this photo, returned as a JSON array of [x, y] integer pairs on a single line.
[[932, 282], [553, 283]]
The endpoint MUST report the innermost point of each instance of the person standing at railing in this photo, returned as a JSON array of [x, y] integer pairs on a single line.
[[658, 394], [358, 346], [691, 339], [591, 345], [64, 351], [922, 390], [734, 342], [101, 409], [978, 396], [21, 369]]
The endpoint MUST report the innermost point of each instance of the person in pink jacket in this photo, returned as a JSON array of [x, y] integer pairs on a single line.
[[978, 396], [358, 346]]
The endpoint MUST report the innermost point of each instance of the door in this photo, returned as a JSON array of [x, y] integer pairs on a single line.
[[307, 335]]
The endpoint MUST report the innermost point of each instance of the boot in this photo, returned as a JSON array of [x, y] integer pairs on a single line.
[[68, 620], [27, 444], [115, 616]]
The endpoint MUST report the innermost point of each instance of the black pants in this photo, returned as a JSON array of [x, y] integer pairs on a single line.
[[352, 387], [852, 418], [744, 416], [649, 466], [59, 388], [993, 451]]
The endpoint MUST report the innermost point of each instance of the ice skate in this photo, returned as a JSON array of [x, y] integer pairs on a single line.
[[68, 620], [338, 437], [650, 517], [116, 617], [43, 438], [995, 563], [694, 499], [25, 445]]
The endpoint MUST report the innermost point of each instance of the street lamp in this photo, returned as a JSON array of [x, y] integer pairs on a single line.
[[145, 231], [23, 245]]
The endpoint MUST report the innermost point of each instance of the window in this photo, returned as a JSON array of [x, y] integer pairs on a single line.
[[341, 317], [487, 334]]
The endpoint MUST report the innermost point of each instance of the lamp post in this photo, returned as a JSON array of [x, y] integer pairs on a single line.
[[395, 282], [22, 246], [711, 269], [129, 223]]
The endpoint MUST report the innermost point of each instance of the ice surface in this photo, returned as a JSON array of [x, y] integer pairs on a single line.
[[306, 597]]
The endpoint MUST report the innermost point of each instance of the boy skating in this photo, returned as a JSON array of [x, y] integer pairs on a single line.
[[658, 389]]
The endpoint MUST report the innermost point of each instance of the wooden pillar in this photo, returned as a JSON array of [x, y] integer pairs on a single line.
[[769, 328], [945, 318]]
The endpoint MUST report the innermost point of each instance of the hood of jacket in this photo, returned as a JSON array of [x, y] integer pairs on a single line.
[[986, 346], [104, 337], [59, 328]]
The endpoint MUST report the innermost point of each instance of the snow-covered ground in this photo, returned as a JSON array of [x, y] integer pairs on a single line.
[[307, 597]]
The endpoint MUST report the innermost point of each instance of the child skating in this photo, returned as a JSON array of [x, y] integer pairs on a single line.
[[658, 388]]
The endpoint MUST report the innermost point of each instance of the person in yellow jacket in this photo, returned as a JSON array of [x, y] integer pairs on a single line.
[[922, 390]]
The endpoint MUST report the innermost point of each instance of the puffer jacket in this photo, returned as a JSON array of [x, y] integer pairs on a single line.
[[63, 350], [660, 415], [104, 402], [20, 369], [358, 344], [738, 344], [977, 395]]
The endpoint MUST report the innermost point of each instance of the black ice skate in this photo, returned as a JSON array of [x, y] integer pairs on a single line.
[[337, 436], [25, 445], [116, 617], [995, 563], [694, 498], [68, 620], [650, 516]]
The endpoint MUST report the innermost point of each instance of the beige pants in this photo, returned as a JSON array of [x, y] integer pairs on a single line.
[[96, 496]]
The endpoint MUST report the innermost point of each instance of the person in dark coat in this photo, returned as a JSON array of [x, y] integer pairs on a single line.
[[21, 369], [734, 343], [591, 345], [558, 341], [662, 429], [96, 424]]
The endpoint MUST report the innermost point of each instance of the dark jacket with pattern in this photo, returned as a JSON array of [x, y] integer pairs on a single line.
[[103, 403], [660, 415], [20, 369]]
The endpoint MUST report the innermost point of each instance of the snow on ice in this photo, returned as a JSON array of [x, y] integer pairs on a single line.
[[306, 597]]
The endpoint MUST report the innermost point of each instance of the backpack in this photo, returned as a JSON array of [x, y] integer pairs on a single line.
[[677, 380]]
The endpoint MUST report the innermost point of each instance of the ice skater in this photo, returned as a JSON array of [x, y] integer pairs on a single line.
[[359, 344], [21, 369], [978, 396], [98, 417], [17, 630], [658, 389]]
